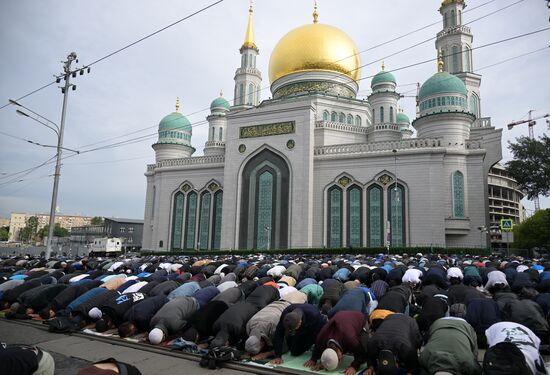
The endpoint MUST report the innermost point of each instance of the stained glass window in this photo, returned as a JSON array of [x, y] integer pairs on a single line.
[[375, 216], [217, 230], [204, 220], [265, 210], [177, 221], [326, 116], [458, 194], [190, 225], [335, 217], [354, 216], [395, 207]]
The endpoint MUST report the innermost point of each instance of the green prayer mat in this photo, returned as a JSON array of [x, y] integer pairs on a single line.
[[296, 363]]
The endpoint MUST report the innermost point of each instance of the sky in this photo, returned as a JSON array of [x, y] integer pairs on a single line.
[[127, 94]]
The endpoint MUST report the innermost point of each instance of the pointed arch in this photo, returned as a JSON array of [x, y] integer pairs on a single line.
[[375, 216], [458, 194]]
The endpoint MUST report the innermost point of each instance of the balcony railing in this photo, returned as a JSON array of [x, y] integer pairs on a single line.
[[199, 160], [362, 148]]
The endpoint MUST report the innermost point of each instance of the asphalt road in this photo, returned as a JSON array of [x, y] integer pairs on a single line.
[[72, 353]]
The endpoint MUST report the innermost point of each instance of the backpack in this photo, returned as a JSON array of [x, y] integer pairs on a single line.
[[218, 355], [505, 358], [62, 324]]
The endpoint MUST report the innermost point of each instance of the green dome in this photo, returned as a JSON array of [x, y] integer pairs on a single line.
[[175, 121], [383, 77], [220, 102], [441, 83], [402, 118]]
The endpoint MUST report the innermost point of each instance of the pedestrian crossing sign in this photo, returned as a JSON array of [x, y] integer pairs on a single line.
[[506, 224]]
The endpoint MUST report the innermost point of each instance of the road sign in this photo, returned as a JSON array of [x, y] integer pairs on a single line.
[[506, 224]]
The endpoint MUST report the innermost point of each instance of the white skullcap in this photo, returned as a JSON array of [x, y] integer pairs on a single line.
[[454, 272], [95, 313], [253, 345], [156, 336], [329, 359], [521, 268]]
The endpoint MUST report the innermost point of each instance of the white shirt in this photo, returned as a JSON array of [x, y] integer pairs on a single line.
[[523, 338], [135, 287]]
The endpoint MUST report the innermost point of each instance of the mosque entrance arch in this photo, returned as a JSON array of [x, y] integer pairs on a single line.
[[264, 210]]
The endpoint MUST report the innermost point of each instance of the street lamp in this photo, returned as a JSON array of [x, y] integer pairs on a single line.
[[482, 229], [395, 197]]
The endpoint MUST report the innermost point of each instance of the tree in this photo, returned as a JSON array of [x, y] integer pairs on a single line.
[[531, 165], [533, 232], [4, 233], [97, 220], [58, 231]]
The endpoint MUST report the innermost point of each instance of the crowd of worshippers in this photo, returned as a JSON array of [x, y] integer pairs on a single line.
[[381, 310]]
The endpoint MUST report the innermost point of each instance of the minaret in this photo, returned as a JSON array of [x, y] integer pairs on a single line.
[[217, 126], [248, 79], [383, 101], [174, 137], [455, 42]]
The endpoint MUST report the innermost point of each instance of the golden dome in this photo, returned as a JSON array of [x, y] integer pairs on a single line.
[[315, 47]]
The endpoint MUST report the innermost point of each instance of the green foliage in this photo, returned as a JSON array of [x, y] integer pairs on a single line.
[[4, 233], [531, 165], [533, 232], [97, 220], [58, 231], [29, 231]]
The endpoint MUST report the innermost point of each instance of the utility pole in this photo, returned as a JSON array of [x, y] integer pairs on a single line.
[[531, 123], [65, 90]]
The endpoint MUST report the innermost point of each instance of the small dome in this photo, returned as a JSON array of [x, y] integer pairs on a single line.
[[442, 83], [175, 121], [383, 77], [403, 118], [219, 103]]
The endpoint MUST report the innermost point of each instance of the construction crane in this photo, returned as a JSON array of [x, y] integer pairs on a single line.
[[531, 121]]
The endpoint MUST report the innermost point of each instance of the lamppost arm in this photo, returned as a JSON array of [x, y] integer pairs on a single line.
[[55, 130], [33, 112]]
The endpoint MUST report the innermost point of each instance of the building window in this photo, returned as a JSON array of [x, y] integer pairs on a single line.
[[391, 115], [265, 176], [453, 18], [333, 117], [373, 115], [221, 134], [458, 194], [326, 116], [122, 230], [217, 224], [130, 229], [456, 59], [375, 215], [342, 118], [396, 208], [251, 94], [354, 216], [153, 202], [204, 220], [467, 59], [190, 220], [241, 93], [358, 120], [474, 104], [350, 119], [334, 217], [177, 221], [381, 115]]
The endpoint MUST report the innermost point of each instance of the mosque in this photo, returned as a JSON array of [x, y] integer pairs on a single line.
[[314, 166]]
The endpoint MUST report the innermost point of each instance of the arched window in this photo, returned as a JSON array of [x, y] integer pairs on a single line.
[[334, 217], [177, 220], [358, 120], [326, 116], [258, 96], [444, 57], [264, 203], [334, 116], [474, 105], [446, 20], [217, 222], [221, 134], [375, 216], [396, 212], [153, 201], [373, 115], [342, 118], [391, 115], [241, 93], [453, 18], [354, 216], [212, 133], [467, 59], [458, 194], [381, 115], [350, 120], [460, 17], [245, 62], [456, 59], [251, 94], [190, 220], [204, 220]]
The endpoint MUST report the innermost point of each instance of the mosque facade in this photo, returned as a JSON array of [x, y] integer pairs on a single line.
[[314, 166]]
